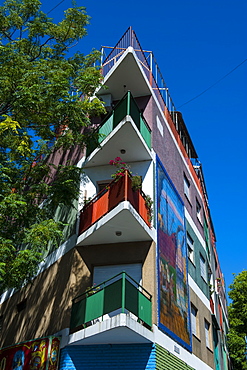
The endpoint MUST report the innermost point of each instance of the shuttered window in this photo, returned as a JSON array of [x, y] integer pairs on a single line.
[[102, 273], [203, 268], [194, 319], [207, 327]]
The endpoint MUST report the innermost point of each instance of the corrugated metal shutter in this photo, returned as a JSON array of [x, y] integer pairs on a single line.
[[102, 273], [167, 361]]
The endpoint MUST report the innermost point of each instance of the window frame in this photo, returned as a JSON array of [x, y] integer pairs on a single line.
[[195, 330], [203, 268], [187, 188], [199, 211], [190, 248], [207, 330]]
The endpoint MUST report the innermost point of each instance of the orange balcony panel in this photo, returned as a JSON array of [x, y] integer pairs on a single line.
[[117, 191], [100, 207], [143, 210]]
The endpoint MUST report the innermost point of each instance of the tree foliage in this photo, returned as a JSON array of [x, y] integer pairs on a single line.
[[46, 99], [238, 321]]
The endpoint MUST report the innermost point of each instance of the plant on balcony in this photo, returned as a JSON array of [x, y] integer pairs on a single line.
[[92, 289], [136, 180], [121, 168], [149, 205]]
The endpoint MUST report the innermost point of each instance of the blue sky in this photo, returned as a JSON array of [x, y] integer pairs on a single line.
[[195, 43]]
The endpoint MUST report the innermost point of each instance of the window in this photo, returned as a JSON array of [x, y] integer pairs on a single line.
[[198, 211], [194, 321], [207, 333], [186, 187], [103, 184], [21, 305], [190, 246], [203, 268]]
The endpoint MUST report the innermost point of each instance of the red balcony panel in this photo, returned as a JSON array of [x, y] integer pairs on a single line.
[[106, 200], [212, 305], [116, 192]]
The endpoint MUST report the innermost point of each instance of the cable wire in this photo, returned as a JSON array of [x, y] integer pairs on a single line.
[[55, 7], [210, 87]]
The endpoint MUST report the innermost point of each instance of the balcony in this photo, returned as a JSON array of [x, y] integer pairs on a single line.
[[135, 135], [120, 293], [116, 192]]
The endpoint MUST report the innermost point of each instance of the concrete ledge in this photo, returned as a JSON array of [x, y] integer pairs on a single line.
[[118, 329]]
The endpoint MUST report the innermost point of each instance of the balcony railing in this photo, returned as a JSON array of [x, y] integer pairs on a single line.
[[120, 294], [126, 106], [117, 191]]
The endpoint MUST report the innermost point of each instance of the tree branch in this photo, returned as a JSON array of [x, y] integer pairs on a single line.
[[40, 49]]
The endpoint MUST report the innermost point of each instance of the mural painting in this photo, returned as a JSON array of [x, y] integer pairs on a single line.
[[174, 316], [38, 354]]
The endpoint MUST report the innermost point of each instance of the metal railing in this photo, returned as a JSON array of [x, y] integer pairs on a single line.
[[121, 292]]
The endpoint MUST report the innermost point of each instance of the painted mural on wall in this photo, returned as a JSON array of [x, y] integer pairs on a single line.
[[174, 315], [39, 354]]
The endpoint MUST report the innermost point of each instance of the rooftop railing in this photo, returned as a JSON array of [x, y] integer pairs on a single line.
[[120, 294], [110, 56]]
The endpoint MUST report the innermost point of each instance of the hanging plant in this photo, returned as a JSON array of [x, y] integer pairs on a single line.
[[149, 205], [136, 182]]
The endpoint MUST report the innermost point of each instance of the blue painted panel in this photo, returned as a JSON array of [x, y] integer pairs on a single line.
[[110, 356]]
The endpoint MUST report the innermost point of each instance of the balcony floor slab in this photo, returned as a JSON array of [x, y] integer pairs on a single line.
[[118, 329], [123, 218]]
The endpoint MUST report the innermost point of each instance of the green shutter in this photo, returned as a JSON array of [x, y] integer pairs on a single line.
[[167, 361]]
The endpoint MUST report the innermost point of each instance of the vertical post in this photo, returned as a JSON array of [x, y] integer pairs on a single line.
[[102, 56], [123, 291], [126, 184], [128, 102], [131, 37], [150, 70]]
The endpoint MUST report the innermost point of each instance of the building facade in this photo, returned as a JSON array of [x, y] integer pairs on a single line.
[[137, 284]]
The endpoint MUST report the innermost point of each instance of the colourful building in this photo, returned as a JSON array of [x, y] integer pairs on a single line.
[[138, 284]]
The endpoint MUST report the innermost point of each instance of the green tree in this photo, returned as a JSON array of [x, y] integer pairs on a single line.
[[238, 321], [46, 100]]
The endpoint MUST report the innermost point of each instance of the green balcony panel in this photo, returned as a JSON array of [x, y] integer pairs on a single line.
[[78, 313], [120, 111], [113, 290], [131, 298], [145, 132], [94, 306], [145, 309], [134, 111], [106, 129]]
